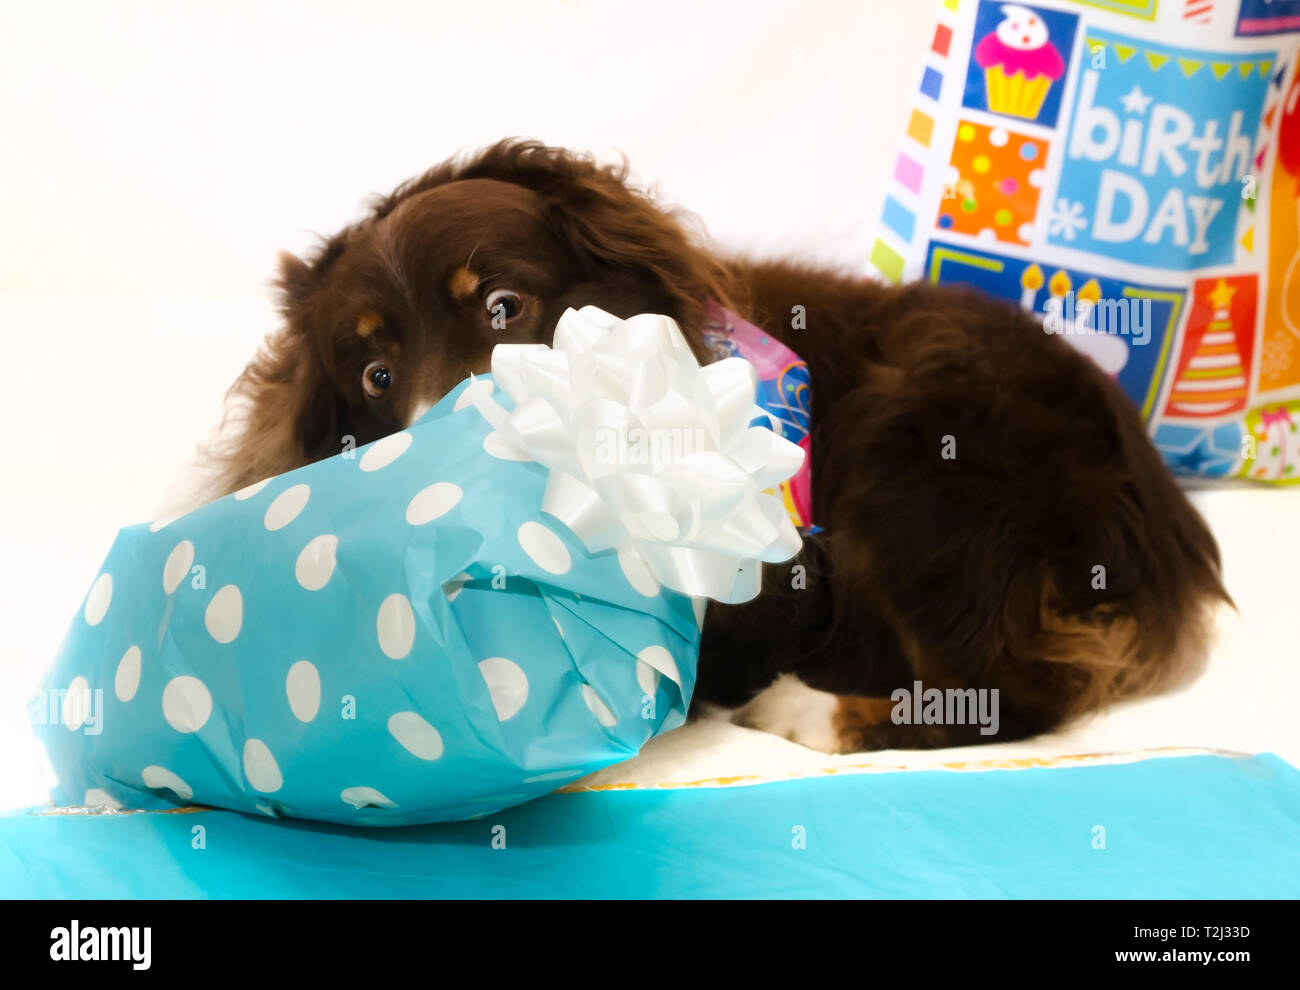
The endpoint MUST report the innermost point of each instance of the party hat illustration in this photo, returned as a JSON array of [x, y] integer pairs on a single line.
[[1214, 380]]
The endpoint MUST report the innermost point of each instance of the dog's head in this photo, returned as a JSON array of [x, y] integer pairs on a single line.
[[392, 312]]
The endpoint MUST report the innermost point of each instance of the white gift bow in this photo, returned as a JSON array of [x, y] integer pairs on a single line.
[[648, 452]]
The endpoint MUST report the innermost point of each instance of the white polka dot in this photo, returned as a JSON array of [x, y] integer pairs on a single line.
[[1036, 178], [507, 685], [545, 548], [178, 565], [998, 137], [315, 565], [419, 412], [163, 523], [359, 797], [225, 614], [396, 625], [502, 449], [76, 704], [285, 507], [383, 452], [160, 778], [101, 593], [127, 681], [96, 798], [417, 736], [647, 677], [252, 489], [987, 234], [430, 503], [658, 658], [186, 703], [480, 388], [260, 767], [455, 586], [598, 707], [302, 685], [638, 572]]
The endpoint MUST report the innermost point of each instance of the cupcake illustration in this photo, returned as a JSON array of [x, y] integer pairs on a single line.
[[1020, 63]]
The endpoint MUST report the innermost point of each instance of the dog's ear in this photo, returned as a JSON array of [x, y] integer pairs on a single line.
[[628, 240], [296, 283], [624, 237], [283, 410]]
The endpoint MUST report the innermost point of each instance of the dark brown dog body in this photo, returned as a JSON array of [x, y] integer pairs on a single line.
[[994, 515]]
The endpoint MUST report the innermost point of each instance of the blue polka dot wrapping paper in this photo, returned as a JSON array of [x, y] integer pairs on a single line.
[[398, 634]]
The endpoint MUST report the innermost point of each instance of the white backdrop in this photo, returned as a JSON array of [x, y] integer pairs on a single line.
[[155, 158]]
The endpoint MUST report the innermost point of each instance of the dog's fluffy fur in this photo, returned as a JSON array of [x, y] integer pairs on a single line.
[[979, 571]]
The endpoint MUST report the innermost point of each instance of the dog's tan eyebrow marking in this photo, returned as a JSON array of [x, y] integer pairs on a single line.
[[368, 322], [464, 283]]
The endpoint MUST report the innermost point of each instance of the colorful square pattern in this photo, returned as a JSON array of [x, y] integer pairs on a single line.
[[1128, 163], [993, 184], [1019, 60], [1279, 362], [1136, 359], [1268, 16], [1213, 372], [1159, 140]]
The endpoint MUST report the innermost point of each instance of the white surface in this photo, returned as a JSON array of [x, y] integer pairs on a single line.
[[156, 158]]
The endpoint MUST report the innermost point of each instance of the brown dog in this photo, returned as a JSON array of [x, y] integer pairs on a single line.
[[1052, 559]]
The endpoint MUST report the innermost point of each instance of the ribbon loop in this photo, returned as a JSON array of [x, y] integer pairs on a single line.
[[649, 453]]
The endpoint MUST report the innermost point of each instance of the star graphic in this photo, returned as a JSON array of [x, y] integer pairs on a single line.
[[1210, 453], [1135, 101], [1194, 459], [1221, 297]]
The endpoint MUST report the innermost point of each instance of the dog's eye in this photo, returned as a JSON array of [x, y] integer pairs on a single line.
[[503, 305], [376, 379]]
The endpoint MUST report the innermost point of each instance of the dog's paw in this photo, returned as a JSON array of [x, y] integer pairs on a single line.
[[789, 708]]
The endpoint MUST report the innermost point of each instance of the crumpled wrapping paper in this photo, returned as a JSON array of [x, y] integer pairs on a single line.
[[408, 632]]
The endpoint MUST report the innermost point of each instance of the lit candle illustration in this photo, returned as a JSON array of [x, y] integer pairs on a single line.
[[1031, 280], [1060, 284], [1057, 286], [1085, 301]]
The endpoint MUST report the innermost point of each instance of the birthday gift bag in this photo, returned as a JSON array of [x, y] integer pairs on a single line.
[[451, 620], [1129, 172]]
